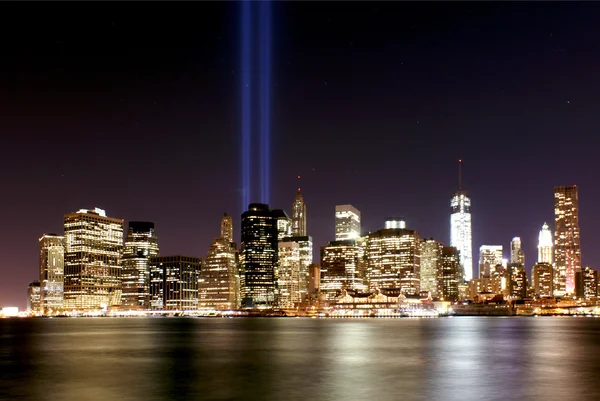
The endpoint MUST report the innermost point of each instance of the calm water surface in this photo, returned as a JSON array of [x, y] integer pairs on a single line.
[[300, 359]]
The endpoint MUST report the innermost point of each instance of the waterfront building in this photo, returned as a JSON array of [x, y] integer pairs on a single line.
[[93, 248], [339, 268], [451, 274], [460, 226], [259, 256], [431, 259], [394, 260], [174, 282], [305, 249], [586, 283], [517, 280], [567, 248], [347, 223], [288, 274], [314, 283], [140, 246], [545, 245], [33, 298], [542, 279], [219, 282], [52, 268]]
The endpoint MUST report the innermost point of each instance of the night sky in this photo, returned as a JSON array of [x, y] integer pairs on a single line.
[[135, 108]]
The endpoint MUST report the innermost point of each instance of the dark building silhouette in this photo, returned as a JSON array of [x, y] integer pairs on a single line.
[[259, 256]]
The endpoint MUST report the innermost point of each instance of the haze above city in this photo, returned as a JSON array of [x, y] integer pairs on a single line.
[[372, 105]]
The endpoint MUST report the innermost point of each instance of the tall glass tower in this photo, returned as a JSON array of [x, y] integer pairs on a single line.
[[93, 249], [460, 227], [140, 246], [567, 248], [259, 256]]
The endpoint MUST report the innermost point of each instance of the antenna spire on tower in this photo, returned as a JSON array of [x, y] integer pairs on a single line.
[[298, 183]]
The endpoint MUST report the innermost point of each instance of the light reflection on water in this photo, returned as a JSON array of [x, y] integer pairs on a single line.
[[300, 359]]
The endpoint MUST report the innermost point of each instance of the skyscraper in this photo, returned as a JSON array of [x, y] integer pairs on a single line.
[[227, 228], [52, 268], [305, 249], [94, 243], [460, 226], [431, 260], [490, 256], [288, 274], [450, 275], [347, 222], [567, 249], [541, 277], [34, 298], [517, 256], [259, 255], [140, 246], [340, 268], [394, 260], [299, 216], [284, 224], [545, 245], [174, 282], [219, 283]]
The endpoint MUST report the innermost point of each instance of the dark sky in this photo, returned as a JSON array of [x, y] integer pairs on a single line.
[[134, 108]]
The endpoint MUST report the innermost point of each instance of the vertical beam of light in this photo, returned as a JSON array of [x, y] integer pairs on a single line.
[[265, 97], [245, 74]]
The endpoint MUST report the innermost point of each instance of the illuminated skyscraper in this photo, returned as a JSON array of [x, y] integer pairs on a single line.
[[517, 280], [347, 223], [460, 227], [567, 249], [451, 274], [259, 255], [586, 283], [140, 246], [490, 256], [542, 279], [174, 282], [305, 249], [94, 243], [340, 268], [284, 224], [517, 256], [34, 298], [52, 267], [219, 284], [394, 260], [431, 260], [288, 274], [227, 228], [299, 216], [545, 245]]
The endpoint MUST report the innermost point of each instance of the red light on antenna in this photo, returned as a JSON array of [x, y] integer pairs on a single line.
[[298, 177], [460, 160]]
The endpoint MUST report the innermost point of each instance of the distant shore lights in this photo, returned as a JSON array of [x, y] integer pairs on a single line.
[[263, 76]]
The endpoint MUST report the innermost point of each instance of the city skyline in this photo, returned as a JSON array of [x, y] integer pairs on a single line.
[[421, 105]]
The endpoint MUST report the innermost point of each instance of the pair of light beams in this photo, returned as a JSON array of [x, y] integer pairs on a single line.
[[248, 60]]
